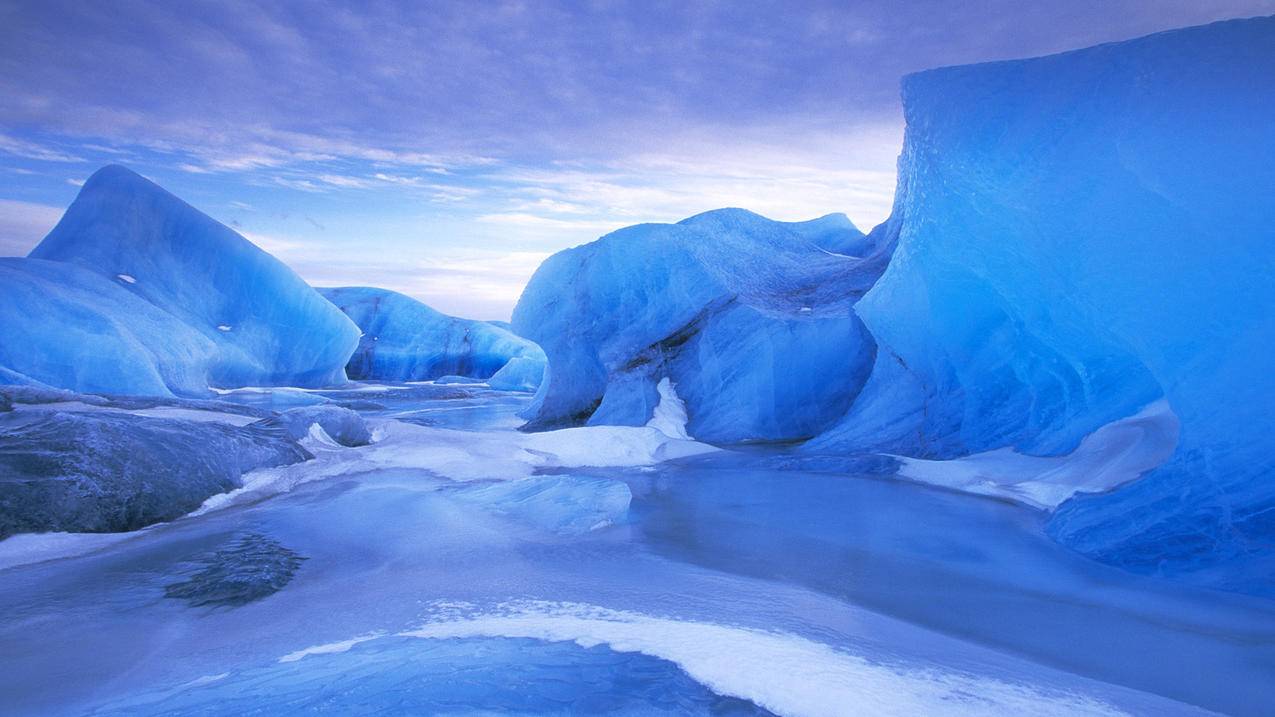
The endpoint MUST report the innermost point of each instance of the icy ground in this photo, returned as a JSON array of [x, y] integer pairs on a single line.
[[457, 566]]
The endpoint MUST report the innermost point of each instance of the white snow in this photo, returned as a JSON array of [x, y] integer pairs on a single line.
[[464, 455], [669, 417], [785, 673], [174, 412], [1111, 456]]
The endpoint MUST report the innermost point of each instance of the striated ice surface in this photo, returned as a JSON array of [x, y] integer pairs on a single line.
[[136, 292], [752, 319], [1078, 236], [405, 340], [110, 471], [72, 328]]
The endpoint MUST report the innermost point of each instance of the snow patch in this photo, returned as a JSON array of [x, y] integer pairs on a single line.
[[785, 673], [669, 417], [464, 455], [1111, 456], [331, 648]]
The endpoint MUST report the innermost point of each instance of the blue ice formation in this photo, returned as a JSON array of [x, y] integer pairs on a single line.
[[405, 340], [69, 327], [1078, 236], [521, 373], [752, 320], [249, 320]]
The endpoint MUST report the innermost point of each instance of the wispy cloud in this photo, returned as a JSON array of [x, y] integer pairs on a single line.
[[32, 150], [23, 225]]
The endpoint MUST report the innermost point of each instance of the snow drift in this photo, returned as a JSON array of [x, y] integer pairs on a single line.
[[136, 292], [405, 340], [752, 319]]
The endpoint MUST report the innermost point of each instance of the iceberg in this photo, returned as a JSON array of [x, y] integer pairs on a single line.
[[260, 323], [405, 340], [1080, 236], [65, 326], [752, 319]]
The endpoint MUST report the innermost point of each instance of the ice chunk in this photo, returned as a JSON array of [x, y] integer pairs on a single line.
[[752, 321], [521, 373], [154, 245], [405, 340], [106, 471], [1079, 235]]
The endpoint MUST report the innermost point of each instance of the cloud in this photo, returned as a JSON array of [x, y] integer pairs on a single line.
[[23, 225], [32, 150]]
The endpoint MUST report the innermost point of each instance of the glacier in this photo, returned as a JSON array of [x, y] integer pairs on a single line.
[[1079, 236], [752, 319], [222, 312], [405, 340]]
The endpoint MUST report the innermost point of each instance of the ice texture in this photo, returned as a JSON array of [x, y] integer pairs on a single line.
[[260, 323], [521, 373], [108, 471], [69, 327], [751, 319], [341, 424], [405, 340], [1078, 236]]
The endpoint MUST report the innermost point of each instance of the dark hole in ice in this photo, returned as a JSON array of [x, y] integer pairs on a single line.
[[247, 568]]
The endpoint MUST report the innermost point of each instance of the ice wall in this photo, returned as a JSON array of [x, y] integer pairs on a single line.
[[1078, 235], [752, 319], [405, 340], [266, 325]]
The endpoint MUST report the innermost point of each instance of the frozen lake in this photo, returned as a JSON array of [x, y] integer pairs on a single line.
[[720, 584]]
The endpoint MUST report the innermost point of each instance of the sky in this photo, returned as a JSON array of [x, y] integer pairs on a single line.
[[445, 149]]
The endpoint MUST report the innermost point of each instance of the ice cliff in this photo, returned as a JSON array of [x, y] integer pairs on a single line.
[[405, 340], [753, 320], [1078, 236], [249, 320]]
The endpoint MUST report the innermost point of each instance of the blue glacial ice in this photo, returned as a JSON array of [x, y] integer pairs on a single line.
[[1078, 236], [752, 320], [260, 324], [520, 373], [69, 327], [405, 340]]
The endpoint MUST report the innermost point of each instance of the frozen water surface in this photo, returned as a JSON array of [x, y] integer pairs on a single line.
[[706, 585]]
